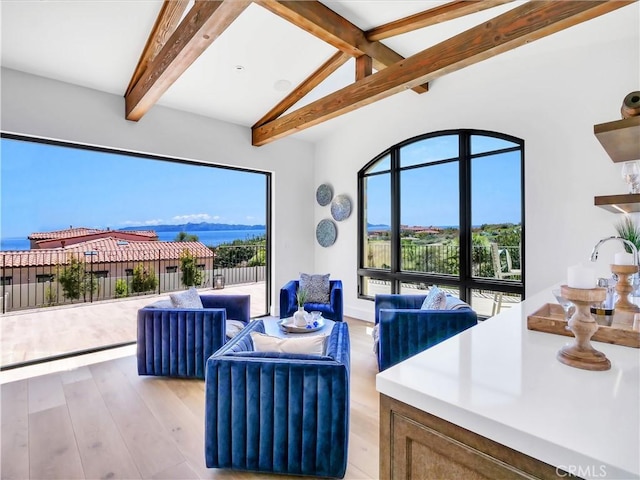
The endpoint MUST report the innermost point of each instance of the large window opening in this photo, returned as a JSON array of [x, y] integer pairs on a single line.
[[84, 226], [445, 209]]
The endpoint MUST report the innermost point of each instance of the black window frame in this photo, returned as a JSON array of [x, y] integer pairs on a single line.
[[465, 281]]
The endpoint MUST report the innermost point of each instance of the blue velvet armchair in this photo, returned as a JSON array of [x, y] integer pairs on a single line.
[[177, 342], [278, 413], [403, 329], [331, 310]]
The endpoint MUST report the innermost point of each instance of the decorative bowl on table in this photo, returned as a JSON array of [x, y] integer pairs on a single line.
[[287, 325]]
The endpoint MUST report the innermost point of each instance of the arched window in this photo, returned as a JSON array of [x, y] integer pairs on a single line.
[[445, 209]]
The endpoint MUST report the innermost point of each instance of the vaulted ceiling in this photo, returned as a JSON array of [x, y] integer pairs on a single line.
[[279, 67]]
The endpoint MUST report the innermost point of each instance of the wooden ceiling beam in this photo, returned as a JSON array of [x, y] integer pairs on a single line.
[[166, 23], [521, 25], [433, 16], [201, 26], [311, 82], [322, 22], [364, 67]]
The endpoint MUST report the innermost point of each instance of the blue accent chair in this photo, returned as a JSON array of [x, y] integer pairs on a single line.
[[176, 342], [404, 329], [331, 310], [278, 413]]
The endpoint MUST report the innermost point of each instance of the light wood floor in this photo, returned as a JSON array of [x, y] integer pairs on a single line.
[[103, 421]]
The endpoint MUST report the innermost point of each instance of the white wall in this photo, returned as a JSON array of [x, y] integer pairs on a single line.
[[549, 93], [40, 107]]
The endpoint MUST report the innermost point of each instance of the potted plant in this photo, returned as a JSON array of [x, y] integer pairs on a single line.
[[628, 230], [300, 317]]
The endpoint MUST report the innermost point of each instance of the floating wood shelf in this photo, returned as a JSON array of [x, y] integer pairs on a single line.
[[620, 138], [625, 203]]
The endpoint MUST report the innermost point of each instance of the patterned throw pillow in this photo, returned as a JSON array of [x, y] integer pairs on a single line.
[[316, 286], [187, 299], [436, 300], [161, 304]]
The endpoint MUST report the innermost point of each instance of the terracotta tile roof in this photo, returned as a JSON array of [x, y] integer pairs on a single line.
[[107, 250], [82, 231]]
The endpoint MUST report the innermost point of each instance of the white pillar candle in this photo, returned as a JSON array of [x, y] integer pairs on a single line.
[[623, 258], [580, 276]]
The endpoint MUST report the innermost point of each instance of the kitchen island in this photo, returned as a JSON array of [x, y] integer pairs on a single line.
[[494, 402]]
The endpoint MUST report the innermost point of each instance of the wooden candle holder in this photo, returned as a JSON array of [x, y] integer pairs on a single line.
[[624, 287], [581, 354]]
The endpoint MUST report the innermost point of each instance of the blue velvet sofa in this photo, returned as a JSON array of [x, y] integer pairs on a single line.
[[177, 342], [278, 413], [331, 310], [404, 329]]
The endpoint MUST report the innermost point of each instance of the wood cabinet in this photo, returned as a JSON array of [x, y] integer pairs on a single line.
[[415, 444], [621, 141]]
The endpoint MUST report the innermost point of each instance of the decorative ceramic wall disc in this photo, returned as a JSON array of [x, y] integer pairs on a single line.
[[341, 207], [324, 194], [326, 232]]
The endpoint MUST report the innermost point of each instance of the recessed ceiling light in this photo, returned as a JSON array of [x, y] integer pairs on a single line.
[[282, 85]]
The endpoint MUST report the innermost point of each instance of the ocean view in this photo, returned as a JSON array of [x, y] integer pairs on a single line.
[[209, 238]]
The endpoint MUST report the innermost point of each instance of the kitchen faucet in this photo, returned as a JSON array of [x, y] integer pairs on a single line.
[[594, 252]]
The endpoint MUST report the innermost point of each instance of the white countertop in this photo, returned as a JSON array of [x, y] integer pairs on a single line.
[[502, 381]]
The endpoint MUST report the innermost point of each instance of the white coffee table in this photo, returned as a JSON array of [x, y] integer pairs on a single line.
[[272, 328]]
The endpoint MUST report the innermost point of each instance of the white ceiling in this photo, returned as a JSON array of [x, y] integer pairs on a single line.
[[97, 44]]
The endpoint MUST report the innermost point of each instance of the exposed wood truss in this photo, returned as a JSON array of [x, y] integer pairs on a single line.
[[324, 23], [204, 22], [173, 46], [165, 25], [433, 16], [327, 68], [523, 24]]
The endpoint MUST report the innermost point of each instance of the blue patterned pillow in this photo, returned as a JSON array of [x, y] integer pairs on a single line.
[[316, 286], [436, 300]]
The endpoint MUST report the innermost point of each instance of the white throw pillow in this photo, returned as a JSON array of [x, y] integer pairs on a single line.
[[454, 303], [187, 299], [233, 327], [312, 345], [436, 300]]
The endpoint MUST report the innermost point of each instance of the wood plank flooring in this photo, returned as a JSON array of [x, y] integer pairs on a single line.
[[103, 421]]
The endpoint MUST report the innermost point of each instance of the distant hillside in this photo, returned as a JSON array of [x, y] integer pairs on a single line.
[[196, 227], [377, 226]]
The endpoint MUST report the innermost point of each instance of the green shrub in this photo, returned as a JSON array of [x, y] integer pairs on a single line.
[[143, 280], [122, 289], [75, 280], [191, 275]]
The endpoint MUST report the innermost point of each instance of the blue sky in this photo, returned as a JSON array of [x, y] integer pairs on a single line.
[[45, 187], [430, 195]]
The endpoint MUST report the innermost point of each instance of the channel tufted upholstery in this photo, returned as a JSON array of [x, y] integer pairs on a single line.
[[176, 342], [404, 329], [276, 412]]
